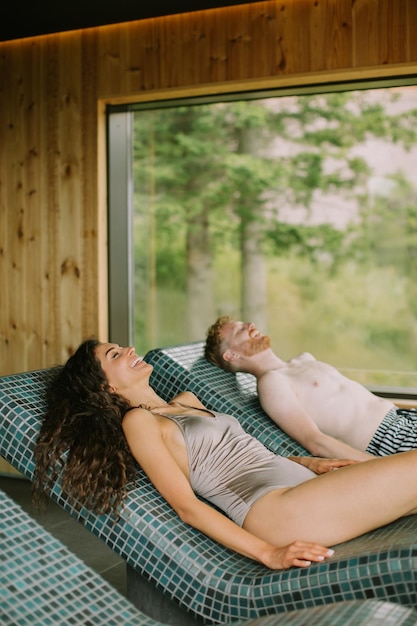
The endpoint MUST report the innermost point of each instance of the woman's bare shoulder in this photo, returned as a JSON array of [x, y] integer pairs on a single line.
[[137, 413]]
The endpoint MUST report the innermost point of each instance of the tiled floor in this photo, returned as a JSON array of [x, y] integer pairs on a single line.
[[79, 540]]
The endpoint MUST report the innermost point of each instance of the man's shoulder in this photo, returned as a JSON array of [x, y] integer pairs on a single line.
[[275, 389], [300, 358], [284, 375], [274, 376]]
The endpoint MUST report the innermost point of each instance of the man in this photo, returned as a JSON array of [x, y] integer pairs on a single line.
[[329, 414]]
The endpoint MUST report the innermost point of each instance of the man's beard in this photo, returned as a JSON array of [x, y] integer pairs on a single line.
[[254, 345]]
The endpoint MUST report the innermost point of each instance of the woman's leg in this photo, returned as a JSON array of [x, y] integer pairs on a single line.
[[340, 505]]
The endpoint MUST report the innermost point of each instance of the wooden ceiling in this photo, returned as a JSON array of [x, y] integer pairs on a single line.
[[27, 18]]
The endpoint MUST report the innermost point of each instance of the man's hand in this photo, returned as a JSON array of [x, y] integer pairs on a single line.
[[322, 466]]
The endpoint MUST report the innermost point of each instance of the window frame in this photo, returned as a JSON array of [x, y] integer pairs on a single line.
[[119, 124], [120, 234]]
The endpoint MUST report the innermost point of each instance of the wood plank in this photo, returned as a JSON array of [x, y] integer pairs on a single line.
[[15, 203], [382, 32], [92, 307], [71, 236], [53, 93], [34, 244], [411, 35], [8, 470]]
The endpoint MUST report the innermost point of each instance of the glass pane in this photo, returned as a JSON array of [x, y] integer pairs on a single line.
[[297, 212]]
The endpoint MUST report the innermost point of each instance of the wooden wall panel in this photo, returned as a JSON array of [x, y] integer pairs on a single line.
[[30, 328], [53, 91], [70, 226], [49, 201], [382, 31], [410, 37], [11, 145], [94, 249]]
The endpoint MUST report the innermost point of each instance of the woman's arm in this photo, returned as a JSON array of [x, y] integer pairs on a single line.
[[146, 442]]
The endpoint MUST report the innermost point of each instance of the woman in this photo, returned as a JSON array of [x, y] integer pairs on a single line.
[[102, 409]]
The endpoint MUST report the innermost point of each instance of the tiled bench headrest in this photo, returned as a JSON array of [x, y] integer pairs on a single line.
[[184, 368]]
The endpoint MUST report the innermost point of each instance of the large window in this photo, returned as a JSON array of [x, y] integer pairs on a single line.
[[295, 210]]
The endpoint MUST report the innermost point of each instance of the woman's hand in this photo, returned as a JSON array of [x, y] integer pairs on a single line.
[[322, 466], [296, 554]]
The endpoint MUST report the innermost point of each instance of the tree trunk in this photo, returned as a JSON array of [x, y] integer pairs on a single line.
[[200, 302], [253, 274], [253, 296]]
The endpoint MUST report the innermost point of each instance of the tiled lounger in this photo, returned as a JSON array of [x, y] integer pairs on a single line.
[[43, 584], [210, 583]]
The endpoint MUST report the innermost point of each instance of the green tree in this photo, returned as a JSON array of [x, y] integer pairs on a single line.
[[218, 176], [179, 156]]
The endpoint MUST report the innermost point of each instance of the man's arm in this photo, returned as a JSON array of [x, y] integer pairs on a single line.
[[281, 404]]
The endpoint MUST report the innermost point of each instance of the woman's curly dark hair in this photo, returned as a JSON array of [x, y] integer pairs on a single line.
[[81, 440]]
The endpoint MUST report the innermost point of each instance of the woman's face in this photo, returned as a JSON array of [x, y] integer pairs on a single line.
[[122, 366]]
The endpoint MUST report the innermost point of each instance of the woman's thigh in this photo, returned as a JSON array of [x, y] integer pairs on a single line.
[[339, 505]]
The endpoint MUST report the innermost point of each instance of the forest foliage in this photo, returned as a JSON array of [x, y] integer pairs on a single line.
[[275, 211]]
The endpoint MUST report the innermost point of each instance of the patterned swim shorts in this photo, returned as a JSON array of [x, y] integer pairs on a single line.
[[396, 433]]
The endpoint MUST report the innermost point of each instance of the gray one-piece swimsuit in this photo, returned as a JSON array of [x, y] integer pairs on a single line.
[[230, 468]]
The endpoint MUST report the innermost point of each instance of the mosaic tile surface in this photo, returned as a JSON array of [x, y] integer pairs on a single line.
[[43, 583], [210, 581]]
